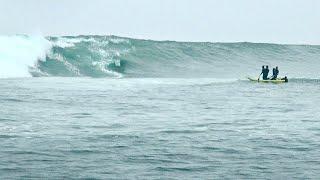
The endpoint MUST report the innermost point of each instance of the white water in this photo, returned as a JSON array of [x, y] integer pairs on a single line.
[[18, 53]]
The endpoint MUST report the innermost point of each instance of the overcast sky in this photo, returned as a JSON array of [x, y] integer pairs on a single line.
[[278, 21]]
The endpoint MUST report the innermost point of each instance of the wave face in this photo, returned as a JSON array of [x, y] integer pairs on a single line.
[[111, 56]]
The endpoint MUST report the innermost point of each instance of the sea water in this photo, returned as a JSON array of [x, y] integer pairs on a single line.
[[151, 128], [95, 107]]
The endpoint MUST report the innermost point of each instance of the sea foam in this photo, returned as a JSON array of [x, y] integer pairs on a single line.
[[19, 53]]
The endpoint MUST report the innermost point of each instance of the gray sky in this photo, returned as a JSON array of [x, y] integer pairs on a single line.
[[278, 21]]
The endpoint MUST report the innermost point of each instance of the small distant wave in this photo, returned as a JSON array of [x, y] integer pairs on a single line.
[[305, 80], [181, 131]]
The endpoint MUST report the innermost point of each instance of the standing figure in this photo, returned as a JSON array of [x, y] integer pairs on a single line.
[[265, 73]]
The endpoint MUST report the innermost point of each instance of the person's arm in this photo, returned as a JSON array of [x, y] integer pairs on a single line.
[[261, 72]]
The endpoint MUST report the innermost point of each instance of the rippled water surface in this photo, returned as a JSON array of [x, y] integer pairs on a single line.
[[158, 128]]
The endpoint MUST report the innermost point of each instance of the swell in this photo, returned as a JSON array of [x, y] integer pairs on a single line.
[[111, 56]]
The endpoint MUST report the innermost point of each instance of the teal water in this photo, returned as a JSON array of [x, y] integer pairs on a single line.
[[151, 128], [106, 107]]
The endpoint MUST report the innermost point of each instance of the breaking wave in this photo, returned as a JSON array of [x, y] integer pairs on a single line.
[[111, 56]]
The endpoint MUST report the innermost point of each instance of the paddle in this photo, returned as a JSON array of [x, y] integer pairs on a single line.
[[259, 77]]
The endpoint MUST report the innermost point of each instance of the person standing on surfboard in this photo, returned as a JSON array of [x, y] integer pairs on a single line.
[[264, 72], [261, 72], [275, 73]]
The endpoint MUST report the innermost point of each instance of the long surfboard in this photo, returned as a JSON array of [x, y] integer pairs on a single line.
[[267, 81]]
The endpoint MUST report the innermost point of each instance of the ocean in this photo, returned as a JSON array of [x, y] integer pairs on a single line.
[[107, 107]]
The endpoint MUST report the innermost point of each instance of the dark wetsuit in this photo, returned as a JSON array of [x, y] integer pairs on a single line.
[[275, 74], [285, 79], [265, 73]]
